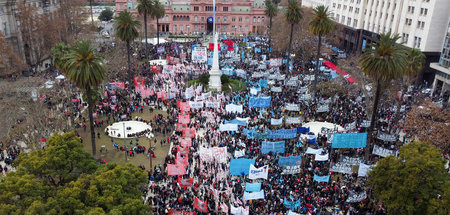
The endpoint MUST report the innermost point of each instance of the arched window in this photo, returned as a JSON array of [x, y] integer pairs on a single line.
[[195, 18], [187, 18], [174, 18], [167, 18], [254, 19]]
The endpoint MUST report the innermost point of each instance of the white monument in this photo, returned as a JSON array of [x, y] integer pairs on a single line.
[[215, 73]]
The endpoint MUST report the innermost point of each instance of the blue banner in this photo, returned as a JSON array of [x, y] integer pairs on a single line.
[[325, 178], [282, 133], [290, 161], [259, 102], [253, 134], [263, 83], [303, 130], [276, 147], [293, 205], [236, 121], [349, 140], [240, 166], [255, 187]]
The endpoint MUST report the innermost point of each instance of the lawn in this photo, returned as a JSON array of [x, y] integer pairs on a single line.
[[114, 156]]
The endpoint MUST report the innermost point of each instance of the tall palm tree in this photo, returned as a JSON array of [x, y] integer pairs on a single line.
[[293, 16], [92, 13], [271, 11], [382, 61], [145, 8], [127, 31], [85, 68], [320, 25], [158, 13], [415, 60]]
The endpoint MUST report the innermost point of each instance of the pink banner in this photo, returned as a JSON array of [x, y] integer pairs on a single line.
[[173, 169]]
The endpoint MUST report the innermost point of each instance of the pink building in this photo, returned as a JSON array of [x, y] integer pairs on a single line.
[[191, 16]]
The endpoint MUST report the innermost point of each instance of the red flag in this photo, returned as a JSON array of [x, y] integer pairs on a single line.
[[200, 205]]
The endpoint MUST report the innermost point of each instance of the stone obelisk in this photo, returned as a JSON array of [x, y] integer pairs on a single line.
[[215, 73]]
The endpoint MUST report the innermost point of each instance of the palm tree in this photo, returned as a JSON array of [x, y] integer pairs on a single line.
[[127, 30], [271, 11], [415, 60], [382, 61], [158, 13], [59, 51], [92, 13], [85, 68], [320, 25], [293, 16], [145, 8]]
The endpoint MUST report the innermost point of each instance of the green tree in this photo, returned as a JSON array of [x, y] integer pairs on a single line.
[[270, 11], [85, 68], [382, 61], [127, 31], [320, 25], [145, 7], [158, 13], [106, 15], [293, 16], [412, 182], [86, 187], [58, 52]]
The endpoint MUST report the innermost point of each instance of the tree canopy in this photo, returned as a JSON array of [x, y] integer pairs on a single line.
[[64, 179], [106, 15], [415, 182]]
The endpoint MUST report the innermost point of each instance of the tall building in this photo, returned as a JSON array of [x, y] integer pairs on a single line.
[[441, 83], [10, 23], [194, 16]]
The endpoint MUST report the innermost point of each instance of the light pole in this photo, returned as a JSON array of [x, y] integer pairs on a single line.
[[124, 144], [150, 150]]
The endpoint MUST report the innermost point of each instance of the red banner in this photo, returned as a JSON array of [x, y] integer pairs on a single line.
[[173, 169], [211, 46], [186, 143], [172, 212], [156, 69], [180, 127], [184, 119], [181, 160], [188, 132], [182, 150], [172, 60], [185, 182], [162, 95], [200, 205]]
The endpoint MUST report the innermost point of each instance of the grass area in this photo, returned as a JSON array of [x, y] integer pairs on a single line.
[[114, 156]]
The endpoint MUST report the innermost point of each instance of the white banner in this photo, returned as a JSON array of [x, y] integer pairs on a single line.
[[253, 195], [219, 154], [199, 55], [314, 151], [356, 197], [239, 153], [304, 97], [276, 121], [239, 210], [293, 120], [189, 93], [255, 173], [196, 105], [274, 62], [289, 170], [321, 157], [380, 151], [228, 127], [350, 126], [233, 108], [387, 137], [323, 108], [363, 170], [302, 89], [292, 107], [342, 168], [292, 213], [276, 89], [291, 83], [212, 104], [365, 123], [351, 161]]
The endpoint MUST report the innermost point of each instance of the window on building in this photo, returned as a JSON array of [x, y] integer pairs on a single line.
[[224, 28], [412, 9], [5, 28], [240, 28], [225, 9], [339, 6], [349, 21], [225, 18], [203, 28], [175, 28], [247, 19], [342, 19], [181, 28], [203, 19], [167, 18], [358, 1], [355, 23], [195, 18], [415, 42], [262, 19], [357, 10], [233, 19], [240, 19], [233, 28], [195, 28], [259, 19], [422, 25], [218, 19], [174, 18], [418, 24], [246, 28], [410, 21], [188, 19], [188, 28], [337, 17], [254, 19], [196, 9], [210, 8], [181, 18], [350, 9], [345, 7], [334, 5]]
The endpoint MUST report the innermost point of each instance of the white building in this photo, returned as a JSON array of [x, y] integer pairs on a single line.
[[315, 3], [441, 83]]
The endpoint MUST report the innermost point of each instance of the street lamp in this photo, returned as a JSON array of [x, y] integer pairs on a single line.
[[124, 144]]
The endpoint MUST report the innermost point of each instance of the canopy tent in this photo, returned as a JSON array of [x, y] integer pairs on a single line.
[[154, 41]]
